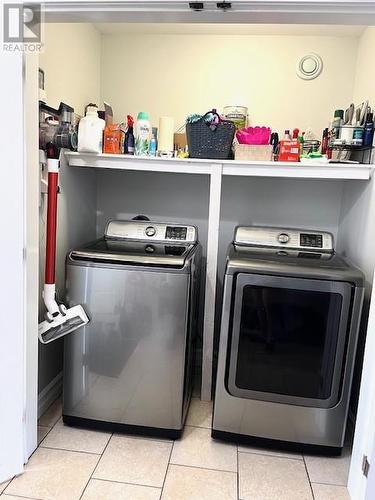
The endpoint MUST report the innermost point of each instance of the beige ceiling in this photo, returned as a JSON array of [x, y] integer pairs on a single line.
[[230, 29]]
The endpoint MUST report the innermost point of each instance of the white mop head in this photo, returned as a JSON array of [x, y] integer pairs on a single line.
[[63, 323]]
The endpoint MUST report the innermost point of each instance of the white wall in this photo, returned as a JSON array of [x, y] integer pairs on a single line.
[[357, 231], [364, 87], [358, 237], [71, 62], [172, 197], [357, 228], [181, 74], [310, 204]]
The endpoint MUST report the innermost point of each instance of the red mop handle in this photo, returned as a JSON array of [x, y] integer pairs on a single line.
[[53, 176]]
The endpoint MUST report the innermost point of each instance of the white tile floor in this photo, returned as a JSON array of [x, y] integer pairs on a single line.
[[73, 464]]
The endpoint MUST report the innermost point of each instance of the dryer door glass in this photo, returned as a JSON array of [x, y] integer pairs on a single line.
[[288, 339]]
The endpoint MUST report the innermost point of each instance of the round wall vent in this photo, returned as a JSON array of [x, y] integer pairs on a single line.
[[309, 66]]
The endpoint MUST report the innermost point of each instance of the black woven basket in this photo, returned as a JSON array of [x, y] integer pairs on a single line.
[[210, 141]]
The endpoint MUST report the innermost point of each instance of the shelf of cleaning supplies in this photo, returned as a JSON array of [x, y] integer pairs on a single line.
[[304, 170]]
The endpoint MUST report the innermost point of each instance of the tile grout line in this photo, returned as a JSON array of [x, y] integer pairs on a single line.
[[19, 496], [72, 451], [166, 472], [203, 468], [331, 484], [141, 436], [271, 455], [124, 482], [198, 427], [96, 466], [308, 476], [238, 475]]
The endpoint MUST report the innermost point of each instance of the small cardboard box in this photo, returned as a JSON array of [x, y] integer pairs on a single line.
[[289, 151], [108, 113], [180, 141]]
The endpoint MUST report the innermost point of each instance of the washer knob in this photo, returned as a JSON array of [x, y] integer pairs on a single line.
[[283, 238], [150, 231]]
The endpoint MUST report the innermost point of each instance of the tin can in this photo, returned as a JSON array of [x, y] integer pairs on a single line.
[[237, 115]]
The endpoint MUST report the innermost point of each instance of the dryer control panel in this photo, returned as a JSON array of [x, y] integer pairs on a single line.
[[274, 237], [151, 231]]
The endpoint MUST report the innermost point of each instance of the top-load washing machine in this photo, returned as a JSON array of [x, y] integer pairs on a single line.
[[290, 320], [131, 367]]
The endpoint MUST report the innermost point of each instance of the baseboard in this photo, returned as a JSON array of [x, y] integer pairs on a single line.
[[49, 394]]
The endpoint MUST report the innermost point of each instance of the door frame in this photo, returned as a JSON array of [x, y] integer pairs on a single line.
[[364, 435], [13, 298]]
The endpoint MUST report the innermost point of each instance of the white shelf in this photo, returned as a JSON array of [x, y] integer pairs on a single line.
[[299, 170], [229, 167], [139, 163]]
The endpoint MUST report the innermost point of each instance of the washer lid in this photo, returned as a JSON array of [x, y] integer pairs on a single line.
[[134, 253]]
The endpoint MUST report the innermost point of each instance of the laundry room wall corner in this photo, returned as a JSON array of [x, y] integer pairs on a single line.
[[71, 62], [357, 235], [76, 225], [77, 200]]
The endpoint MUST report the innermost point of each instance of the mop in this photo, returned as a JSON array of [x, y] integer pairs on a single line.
[[59, 320]]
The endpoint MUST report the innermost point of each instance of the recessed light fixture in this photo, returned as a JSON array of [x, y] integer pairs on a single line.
[[309, 66]]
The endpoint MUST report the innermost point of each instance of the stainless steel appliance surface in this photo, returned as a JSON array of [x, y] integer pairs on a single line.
[[130, 368], [289, 328]]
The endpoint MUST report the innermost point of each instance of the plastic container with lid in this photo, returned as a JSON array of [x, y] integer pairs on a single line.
[[90, 131], [237, 115]]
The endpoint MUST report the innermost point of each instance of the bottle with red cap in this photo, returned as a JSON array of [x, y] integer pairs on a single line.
[[129, 137]]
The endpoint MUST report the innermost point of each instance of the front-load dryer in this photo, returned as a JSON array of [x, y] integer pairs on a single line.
[[130, 368], [290, 320]]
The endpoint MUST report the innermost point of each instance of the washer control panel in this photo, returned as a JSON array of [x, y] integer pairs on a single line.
[[176, 233], [297, 239], [311, 240], [136, 230]]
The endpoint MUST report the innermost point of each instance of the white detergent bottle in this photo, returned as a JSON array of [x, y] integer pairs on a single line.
[[142, 134], [90, 131]]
